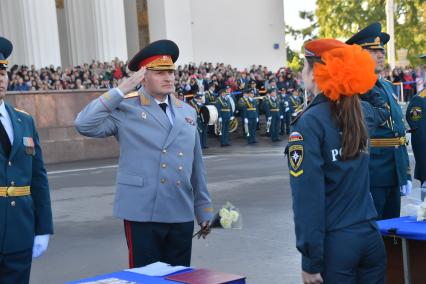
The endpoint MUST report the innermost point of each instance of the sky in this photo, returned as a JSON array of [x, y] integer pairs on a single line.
[[291, 17]]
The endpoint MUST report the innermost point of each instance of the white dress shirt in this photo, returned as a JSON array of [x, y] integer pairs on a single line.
[[168, 110], [7, 122]]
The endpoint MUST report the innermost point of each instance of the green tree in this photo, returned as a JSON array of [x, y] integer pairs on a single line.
[[342, 18]]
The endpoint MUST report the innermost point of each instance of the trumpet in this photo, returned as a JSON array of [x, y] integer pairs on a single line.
[[268, 124]]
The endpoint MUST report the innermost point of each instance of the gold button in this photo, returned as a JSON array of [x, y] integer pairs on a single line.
[[9, 164], [13, 203], [11, 191], [180, 168], [178, 182], [180, 154], [163, 180], [12, 183], [164, 151], [164, 166]]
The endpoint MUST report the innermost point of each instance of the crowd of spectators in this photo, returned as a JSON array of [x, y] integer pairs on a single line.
[[413, 79], [190, 78]]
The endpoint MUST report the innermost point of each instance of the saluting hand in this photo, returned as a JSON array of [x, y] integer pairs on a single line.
[[129, 84], [309, 278]]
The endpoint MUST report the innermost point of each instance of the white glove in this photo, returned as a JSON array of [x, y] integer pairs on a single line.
[[287, 109], [245, 120], [220, 119], [270, 118], [257, 119], [281, 116], [40, 245], [406, 189], [232, 118]]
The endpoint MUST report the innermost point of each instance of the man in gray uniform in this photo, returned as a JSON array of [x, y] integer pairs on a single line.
[[161, 184]]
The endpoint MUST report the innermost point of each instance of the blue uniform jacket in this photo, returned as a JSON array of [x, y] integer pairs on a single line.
[[271, 107], [389, 166], [328, 194], [416, 113], [223, 106], [23, 217], [250, 109]]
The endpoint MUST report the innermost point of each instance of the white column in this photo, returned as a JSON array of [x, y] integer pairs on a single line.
[[170, 19], [390, 30], [33, 29], [96, 30]]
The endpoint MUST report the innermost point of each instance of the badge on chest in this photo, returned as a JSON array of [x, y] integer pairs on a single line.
[[29, 145]]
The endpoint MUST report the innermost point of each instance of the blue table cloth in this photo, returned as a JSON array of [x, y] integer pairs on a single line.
[[406, 227], [141, 279]]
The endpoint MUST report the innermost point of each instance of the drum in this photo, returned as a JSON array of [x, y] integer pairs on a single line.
[[209, 114]]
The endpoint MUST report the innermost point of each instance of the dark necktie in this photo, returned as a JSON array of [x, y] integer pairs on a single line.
[[163, 107], [4, 140]]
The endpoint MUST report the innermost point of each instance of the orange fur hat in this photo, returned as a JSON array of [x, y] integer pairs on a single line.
[[343, 70]]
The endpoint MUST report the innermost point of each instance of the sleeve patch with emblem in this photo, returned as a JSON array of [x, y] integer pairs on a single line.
[[296, 158], [416, 113], [295, 137]]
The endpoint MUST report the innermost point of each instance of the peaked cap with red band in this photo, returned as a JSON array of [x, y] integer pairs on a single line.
[[343, 70], [158, 55]]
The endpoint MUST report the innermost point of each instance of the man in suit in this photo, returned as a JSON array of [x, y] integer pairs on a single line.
[[25, 210], [161, 184], [390, 174]]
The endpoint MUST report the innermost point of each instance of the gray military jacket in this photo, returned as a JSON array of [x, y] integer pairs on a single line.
[[161, 174]]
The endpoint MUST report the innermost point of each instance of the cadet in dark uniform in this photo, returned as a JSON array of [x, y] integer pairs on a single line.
[[25, 211], [416, 118], [197, 103], [389, 164], [285, 113], [224, 110], [210, 95], [250, 113], [272, 112], [334, 213]]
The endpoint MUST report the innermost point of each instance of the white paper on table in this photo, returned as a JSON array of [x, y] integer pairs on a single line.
[[157, 269]]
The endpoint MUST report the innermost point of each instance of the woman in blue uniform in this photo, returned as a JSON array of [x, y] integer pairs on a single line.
[[334, 213]]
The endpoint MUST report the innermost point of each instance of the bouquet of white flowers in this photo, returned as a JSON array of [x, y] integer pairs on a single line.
[[228, 217], [421, 212]]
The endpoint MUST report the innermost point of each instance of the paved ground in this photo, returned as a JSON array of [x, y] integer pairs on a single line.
[[88, 241]]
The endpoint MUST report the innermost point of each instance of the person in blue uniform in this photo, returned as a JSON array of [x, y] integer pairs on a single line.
[[334, 215], [224, 110], [390, 174], [273, 114], [25, 209], [416, 118], [210, 95], [250, 114], [197, 103], [161, 189], [285, 112]]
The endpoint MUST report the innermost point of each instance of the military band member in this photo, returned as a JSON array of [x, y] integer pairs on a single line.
[[285, 112], [273, 114], [224, 110], [25, 210], [389, 164], [250, 114], [334, 214], [416, 118], [202, 126], [161, 185], [210, 95]]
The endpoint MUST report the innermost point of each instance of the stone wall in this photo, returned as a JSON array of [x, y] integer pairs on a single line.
[[54, 114]]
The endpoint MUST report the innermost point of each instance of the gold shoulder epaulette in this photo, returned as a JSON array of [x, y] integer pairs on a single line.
[[23, 111], [131, 95], [423, 93]]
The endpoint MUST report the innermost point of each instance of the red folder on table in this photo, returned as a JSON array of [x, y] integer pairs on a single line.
[[204, 276]]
